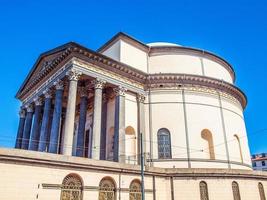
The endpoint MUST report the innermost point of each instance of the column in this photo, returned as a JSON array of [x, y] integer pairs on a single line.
[[119, 127], [141, 123], [95, 151], [36, 124], [103, 136], [70, 112], [53, 144], [84, 93], [44, 133], [22, 115], [27, 127]]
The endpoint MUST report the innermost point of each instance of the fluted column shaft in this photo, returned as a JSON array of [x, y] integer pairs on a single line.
[[22, 115], [53, 144], [27, 128], [36, 125], [45, 122], [70, 112], [103, 128], [141, 124], [119, 127], [95, 152], [82, 121]]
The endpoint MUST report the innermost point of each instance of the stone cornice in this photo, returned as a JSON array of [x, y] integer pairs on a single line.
[[180, 80], [42, 159], [73, 50]]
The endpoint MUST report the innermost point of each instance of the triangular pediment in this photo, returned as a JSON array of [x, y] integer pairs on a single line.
[[43, 61]]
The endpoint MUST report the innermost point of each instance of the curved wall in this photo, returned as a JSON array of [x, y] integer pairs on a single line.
[[186, 113], [188, 64]]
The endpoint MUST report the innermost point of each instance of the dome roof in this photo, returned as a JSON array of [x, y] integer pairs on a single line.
[[158, 44]]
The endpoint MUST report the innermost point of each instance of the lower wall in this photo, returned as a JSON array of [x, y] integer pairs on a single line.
[[27, 175]]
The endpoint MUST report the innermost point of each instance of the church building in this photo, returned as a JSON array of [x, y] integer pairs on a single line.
[[85, 115]]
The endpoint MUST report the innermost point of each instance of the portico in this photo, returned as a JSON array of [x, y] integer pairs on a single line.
[[49, 124]]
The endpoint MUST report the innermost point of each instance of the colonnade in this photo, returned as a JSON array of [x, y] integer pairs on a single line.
[[41, 122]]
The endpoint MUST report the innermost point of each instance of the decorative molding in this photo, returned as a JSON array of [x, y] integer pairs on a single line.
[[74, 75], [47, 93], [29, 108], [119, 91], [84, 91], [22, 113], [140, 98], [38, 101], [59, 84], [98, 83], [185, 80]]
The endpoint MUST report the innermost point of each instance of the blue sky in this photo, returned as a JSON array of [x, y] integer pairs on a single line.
[[235, 30]]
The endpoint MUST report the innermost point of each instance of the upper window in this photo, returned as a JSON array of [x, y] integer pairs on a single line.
[[239, 147], [203, 187], [71, 188], [207, 136], [263, 163], [164, 143], [261, 191], [236, 192]]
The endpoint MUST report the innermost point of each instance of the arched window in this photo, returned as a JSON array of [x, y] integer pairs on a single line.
[[239, 147], [135, 190], [236, 192], [203, 188], [207, 135], [130, 144], [164, 143], [107, 189], [261, 191], [71, 188]]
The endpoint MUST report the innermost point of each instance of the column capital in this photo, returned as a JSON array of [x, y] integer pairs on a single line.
[[29, 108], [22, 113], [74, 75], [84, 91], [98, 83], [38, 101], [59, 84], [120, 91], [140, 98], [104, 97], [47, 93]]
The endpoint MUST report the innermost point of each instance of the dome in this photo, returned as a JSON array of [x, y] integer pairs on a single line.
[[158, 44]]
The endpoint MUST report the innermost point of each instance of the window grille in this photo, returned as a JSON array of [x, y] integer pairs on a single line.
[[164, 144], [71, 188], [135, 190], [107, 189]]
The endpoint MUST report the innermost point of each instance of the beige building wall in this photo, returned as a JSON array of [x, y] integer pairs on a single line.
[[32, 175]]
